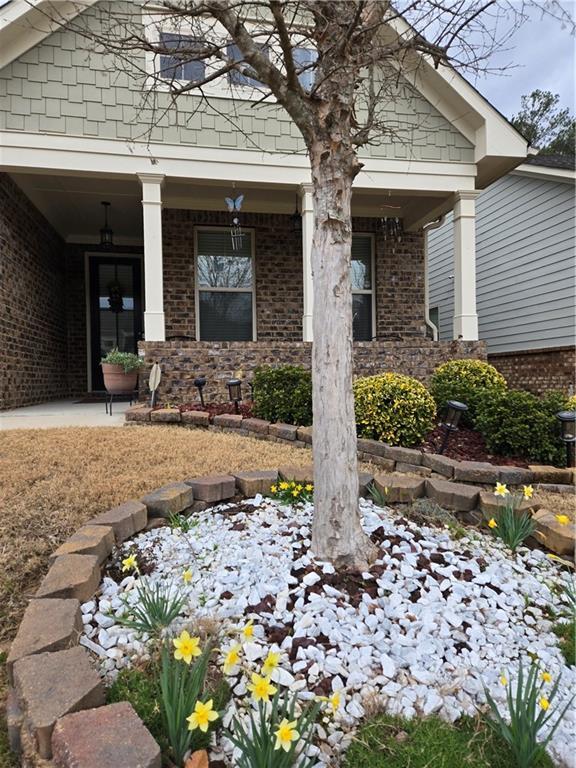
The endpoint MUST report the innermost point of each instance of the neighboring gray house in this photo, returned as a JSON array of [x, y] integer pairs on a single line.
[[525, 273]]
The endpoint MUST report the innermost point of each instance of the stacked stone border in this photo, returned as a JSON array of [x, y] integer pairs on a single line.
[[56, 698]]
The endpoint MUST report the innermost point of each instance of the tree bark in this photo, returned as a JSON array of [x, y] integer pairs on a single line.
[[337, 533]]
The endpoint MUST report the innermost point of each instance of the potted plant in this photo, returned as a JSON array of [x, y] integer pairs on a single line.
[[120, 371]]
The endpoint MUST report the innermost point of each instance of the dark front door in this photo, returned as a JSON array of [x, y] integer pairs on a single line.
[[115, 308]]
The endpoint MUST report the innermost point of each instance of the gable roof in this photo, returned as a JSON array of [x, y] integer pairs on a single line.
[[563, 162]]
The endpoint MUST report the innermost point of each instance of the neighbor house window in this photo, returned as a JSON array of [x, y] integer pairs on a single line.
[[225, 286], [238, 78], [362, 287], [175, 66], [304, 57]]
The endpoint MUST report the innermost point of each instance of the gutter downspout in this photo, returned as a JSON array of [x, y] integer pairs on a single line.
[[432, 225]]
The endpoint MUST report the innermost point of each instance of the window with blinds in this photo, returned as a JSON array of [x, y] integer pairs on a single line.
[[225, 287], [362, 287]]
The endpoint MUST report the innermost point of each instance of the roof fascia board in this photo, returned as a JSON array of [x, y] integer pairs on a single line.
[[544, 172], [28, 22]]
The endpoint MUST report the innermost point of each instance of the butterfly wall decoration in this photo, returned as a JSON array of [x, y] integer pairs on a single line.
[[234, 206]]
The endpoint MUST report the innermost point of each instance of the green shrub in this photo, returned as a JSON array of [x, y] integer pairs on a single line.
[[283, 394], [394, 408], [467, 381], [141, 687], [128, 360], [517, 423]]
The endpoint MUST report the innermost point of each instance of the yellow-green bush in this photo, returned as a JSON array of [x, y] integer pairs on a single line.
[[393, 408], [571, 403], [467, 381]]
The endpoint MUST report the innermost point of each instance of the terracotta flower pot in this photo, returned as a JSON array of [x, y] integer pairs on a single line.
[[116, 381]]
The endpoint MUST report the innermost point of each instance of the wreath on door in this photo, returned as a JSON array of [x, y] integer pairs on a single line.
[[115, 297]]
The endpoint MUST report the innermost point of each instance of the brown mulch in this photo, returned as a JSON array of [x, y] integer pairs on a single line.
[[467, 445]]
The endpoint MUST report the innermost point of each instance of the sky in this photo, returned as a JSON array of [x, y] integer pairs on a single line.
[[544, 57]]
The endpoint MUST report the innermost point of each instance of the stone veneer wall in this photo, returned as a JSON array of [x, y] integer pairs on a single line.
[[33, 349], [182, 361], [399, 279], [538, 370]]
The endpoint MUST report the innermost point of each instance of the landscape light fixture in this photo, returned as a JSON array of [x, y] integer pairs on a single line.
[[567, 421], [200, 383], [106, 233], [235, 392], [454, 411]]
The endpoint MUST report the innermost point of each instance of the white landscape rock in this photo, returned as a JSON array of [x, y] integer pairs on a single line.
[[431, 623]]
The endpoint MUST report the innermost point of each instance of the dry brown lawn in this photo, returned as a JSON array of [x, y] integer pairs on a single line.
[[53, 480]]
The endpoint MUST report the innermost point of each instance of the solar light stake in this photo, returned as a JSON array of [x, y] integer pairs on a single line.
[[200, 383], [567, 421], [454, 411], [235, 392]]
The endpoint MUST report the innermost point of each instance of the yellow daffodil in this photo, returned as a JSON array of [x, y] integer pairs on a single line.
[[130, 564], [503, 680], [293, 484], [186, 647], [270, 663], [284, 486], [334, 702], [492, 523], [386, 490], [261, 687], [501, 490], [562, 519], [309, 487], [299, 487], [544, 703], [187, 576], [247, 631], [295, 492], [232, 659], [546, 677], [273, 488], [528, 491], [286, 734], [202, 716]]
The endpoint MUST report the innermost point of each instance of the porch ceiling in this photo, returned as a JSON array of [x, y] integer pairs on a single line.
[[72, 204]]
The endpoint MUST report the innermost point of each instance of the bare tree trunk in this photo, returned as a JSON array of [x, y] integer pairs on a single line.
[[337, 534]]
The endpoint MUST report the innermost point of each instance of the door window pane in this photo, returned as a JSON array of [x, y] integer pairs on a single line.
[[362, 316], [361, 263], [225, 316]]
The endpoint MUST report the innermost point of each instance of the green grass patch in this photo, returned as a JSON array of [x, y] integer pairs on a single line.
[[391, 742], [566, 631], [141, 687]]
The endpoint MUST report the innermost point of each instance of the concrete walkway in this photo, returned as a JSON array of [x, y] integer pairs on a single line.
[[63, 413]]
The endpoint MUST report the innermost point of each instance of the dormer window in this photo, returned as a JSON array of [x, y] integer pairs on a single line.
[[239, 78], [178, 65], [304, 58]]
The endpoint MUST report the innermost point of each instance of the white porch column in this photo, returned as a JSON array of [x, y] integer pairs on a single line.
[[307, 210], [465, 316], [153, 286]]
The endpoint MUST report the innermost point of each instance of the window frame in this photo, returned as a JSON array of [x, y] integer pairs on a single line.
[[178, 65], [372, 290], [198, 289]]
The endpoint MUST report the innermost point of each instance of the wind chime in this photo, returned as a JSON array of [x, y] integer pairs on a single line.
[[234, 205], [391, 225]]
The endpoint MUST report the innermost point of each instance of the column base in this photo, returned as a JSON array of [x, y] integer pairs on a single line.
[[466, 327], [154, 328], [307, 334]]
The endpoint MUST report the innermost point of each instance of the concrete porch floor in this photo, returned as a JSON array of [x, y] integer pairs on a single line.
[[63, 413]]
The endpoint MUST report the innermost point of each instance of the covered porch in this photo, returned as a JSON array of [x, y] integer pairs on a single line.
[[151, 285]]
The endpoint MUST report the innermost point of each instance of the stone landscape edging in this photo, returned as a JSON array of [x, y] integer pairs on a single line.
[[72, 725], [390, 458]]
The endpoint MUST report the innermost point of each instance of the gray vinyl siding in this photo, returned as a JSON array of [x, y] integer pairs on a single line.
[[62, 87], [525, 265]]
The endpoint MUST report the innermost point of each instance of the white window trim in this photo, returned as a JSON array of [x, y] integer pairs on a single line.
[[197, 288], [219, 88], [372, 290]]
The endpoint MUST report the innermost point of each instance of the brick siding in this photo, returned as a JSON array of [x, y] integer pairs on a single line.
[[182, 361], [399, 279], [33, 347], [538, 370]]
